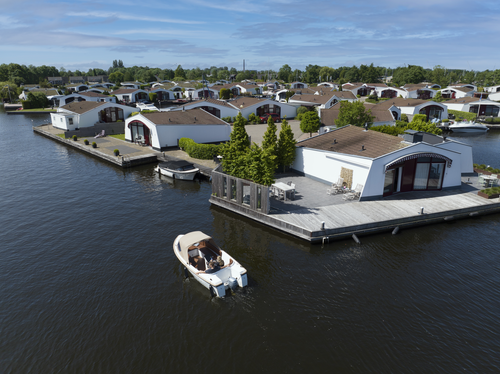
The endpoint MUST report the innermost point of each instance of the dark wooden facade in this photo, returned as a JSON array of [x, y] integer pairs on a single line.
[[240, 192]]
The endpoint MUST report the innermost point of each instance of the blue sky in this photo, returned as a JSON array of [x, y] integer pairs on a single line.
[[267, 34]]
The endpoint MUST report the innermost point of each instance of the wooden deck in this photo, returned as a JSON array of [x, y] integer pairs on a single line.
[[315, 216]]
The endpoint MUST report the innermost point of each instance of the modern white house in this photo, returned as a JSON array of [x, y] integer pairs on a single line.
[[62, 100], [323, 101], [419, 91], [298, 85], [218, 108], [162, 130], [248, 105], [87, 113], [132, 85], [130, 95], [410, 107], [383, 164], [457, 92]]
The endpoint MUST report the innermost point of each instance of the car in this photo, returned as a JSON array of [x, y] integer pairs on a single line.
[[275, 116]]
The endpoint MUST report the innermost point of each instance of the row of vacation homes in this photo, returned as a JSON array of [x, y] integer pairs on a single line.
[[382, 163]]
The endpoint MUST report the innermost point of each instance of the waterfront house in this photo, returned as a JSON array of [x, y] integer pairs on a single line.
[[132, 85], [383, 115], [218, 108], [382, 163], [162, 130], [298, 85], [62, 100], [410, 107], [130, 95], [322, 101], [419, 91], [248, 105], [457, 92], [77, 87], [81, 114]]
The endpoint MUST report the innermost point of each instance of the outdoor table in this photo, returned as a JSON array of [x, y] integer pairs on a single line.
[[285, 188], [490, 179]]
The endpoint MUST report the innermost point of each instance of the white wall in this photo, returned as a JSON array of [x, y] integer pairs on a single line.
[[168, 134], [465, 151], [326, 166], [224, 110], [375, 183]]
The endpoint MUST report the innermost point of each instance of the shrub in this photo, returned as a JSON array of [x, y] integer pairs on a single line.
[[199, 151], [75, 138], [465, 115], [253, 118], [94, 145], [445, 120], [86, 142], [133, 114], [227, 119], [358, 96], [404, 117], [116, 152]]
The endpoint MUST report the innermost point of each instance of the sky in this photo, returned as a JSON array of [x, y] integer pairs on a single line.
[[82, 34]]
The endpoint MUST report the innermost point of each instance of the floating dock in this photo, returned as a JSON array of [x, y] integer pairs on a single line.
[[317, 217], [130, 154]]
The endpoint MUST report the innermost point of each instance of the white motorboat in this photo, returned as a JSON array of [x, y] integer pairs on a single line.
[[196, 250], [178, 169], [144, 106], [467, 127]]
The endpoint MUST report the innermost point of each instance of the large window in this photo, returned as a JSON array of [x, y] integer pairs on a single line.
[[429, 173]]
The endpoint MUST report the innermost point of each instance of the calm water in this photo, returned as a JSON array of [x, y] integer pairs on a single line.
[[89, 283]]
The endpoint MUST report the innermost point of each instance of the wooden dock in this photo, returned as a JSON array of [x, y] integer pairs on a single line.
[[318, 217], [130, 154]]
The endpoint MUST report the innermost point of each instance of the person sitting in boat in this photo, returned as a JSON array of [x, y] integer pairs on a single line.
[[213, 267]]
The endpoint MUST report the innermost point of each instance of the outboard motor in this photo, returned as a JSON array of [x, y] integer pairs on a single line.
[[233, 283]]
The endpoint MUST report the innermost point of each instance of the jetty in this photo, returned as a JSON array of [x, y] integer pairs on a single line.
[[131, 154], [317, 217]]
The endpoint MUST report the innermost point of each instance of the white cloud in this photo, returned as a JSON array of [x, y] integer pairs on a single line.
[[131, 17]]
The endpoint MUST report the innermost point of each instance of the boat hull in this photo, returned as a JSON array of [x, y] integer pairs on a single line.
[[468, 127], [183, 175]]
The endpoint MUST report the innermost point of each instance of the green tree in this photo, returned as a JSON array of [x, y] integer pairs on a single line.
[[224, 93], [353, 113], [234, 161], [309, 122], [284, 73], [260, 165], [286, 145], [270, 139], [116, 77], [179, 72], [128, 77]]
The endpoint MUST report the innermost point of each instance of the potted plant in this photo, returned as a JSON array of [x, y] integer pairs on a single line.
[[490, 193], [94, 145], [116, 152], [75, 138], [86, 142]]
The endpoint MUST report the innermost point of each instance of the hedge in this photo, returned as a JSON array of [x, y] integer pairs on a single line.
[[199, 151], [466, 115]]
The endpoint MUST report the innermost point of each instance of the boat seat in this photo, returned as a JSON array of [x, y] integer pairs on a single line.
[[198, 262]]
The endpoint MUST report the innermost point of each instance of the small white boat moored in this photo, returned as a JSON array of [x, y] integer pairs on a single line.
[[467, 127], [177, 169], [196, 250]]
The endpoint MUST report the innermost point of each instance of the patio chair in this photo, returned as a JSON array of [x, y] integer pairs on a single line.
[[100, 135], [355, 194], [494, 179], [336, 187], [480, 180]]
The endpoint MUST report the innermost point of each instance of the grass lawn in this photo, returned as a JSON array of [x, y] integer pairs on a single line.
[[40, 110], [118, 136]]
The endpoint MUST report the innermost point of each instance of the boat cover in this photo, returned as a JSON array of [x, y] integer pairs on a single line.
[[189, 239], [176, 165]]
